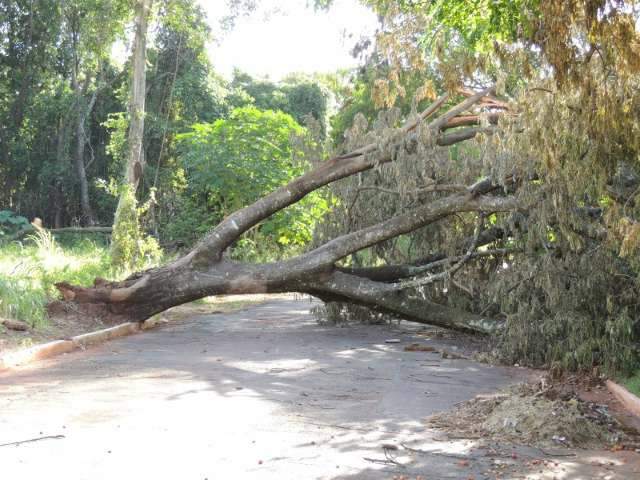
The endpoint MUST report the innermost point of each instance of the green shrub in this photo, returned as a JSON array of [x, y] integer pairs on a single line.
[[231, 163], [11, 223]]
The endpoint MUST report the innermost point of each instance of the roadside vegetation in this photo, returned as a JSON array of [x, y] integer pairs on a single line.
[[28, 270], [633, 383]]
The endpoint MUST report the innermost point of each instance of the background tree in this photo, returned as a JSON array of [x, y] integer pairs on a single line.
[[183, 89], [66, 71], [296, 95], [89, 29], [233, 162], [125, 239]]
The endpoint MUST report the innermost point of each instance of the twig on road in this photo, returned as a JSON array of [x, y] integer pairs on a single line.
[[427, 452], [388, 461], [47, 437]]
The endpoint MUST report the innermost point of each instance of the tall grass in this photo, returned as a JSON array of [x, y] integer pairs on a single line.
[[28, 271], [633, 383]]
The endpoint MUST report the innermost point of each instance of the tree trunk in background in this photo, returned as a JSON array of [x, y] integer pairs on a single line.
[[78, 157], [135, 158], [81, 171], [126, 230], [61, 146]]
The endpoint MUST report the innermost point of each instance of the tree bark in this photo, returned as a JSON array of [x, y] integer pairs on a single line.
[[85, 202], [136, 160], [126, 227], [342, 287], [206, 271], [82, 111]]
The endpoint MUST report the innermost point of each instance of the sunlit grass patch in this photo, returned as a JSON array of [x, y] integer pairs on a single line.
[[29, 270], [632, 383]]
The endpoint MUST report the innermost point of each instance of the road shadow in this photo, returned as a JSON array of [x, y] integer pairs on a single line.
[[270, 393]]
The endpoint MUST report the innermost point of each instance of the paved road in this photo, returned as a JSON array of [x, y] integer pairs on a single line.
[[264, 393]]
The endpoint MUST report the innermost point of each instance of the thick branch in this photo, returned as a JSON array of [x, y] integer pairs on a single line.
[[365, 158], [391, 273], [344, 245], [348, 288], [467, 120], [462, 135], [205, 272]]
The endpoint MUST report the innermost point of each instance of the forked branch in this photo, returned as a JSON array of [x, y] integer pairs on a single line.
[[229, 230]]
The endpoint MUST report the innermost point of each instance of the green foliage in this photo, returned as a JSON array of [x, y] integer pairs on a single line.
[[11, 223], [480, 23], [117, 125], [39, 134], [299, 96], [632, 383], [232, 162], [575, 312]]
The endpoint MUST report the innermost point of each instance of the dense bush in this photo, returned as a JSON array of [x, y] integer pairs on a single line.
[[232, 162]]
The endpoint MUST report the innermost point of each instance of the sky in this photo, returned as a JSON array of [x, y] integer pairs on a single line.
[[285, 36]]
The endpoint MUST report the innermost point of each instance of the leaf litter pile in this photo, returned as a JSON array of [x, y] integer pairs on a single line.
[[536, 415]]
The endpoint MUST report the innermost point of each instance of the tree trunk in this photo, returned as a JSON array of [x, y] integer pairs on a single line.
[[135, 159], [126, 228], [82, 111], [81, 171], [206, 271]]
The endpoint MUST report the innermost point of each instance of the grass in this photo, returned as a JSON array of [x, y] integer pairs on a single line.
[[29, 269], [633, 383]]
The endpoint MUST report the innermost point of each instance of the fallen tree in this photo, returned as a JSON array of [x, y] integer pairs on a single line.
[[207, 271]]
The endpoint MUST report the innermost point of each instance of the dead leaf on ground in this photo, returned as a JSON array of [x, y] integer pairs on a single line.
[[417, 347]]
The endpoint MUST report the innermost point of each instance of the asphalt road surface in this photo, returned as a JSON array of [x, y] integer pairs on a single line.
[[263, 393]]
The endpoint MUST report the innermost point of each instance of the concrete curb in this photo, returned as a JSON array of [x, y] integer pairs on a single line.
[[79, 342], [624, 396]]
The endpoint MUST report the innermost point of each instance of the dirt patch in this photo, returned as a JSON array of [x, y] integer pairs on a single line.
[[418, 347], [65, 324], [60, 327], [536, 415]]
